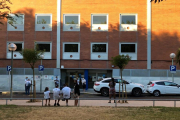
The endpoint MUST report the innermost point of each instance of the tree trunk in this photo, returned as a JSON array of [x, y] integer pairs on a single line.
[[122, 87], [34, 87]]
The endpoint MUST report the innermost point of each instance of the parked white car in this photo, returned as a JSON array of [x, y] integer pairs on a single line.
[[159, 87], [133, 88]]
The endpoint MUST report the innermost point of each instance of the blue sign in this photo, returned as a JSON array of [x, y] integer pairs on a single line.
[[173, 68], [8, 68], [41, 67]]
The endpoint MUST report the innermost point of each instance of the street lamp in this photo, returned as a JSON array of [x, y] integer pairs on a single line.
[[172, 56], [42, 57], [12, 47]]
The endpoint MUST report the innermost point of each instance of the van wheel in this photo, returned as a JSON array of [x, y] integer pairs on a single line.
[[136, 92], [105, 92], [156, 93]]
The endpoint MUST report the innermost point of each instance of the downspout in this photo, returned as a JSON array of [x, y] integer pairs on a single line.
[[58, 52], [148, 34]]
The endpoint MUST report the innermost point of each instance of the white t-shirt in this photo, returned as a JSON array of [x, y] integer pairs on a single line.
[[25, 80], [56, 92], [46, 94], [83, 81], [28, 82], [66, 92]]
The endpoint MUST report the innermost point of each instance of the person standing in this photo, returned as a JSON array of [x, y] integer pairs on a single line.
[[56, 81], [28, 85], [76, 92], [25, 82], [56, 95], [47, 95], [112, 91], [84, 84], [66, 92]]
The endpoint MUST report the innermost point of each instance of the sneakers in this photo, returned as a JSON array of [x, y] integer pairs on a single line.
[[54, 104], [58, 104]]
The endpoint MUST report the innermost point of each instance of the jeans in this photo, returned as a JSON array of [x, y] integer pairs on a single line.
[[27, 90]]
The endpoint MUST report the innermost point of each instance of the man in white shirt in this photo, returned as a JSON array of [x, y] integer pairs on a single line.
[[28, 85], [56, 81], [56, 95], [84, 84], [66, 92], [25, 82]]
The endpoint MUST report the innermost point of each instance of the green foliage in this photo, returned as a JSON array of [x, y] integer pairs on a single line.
[[103, 22], [31, 56], [72, 22], [120, 61], [42, 21], [178, 57]]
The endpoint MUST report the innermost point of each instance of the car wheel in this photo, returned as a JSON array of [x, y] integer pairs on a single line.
[[136, 92], [156, 93], [105, 92]]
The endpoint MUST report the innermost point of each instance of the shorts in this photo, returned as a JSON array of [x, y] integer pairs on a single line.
[[112, 91], [56, 97]]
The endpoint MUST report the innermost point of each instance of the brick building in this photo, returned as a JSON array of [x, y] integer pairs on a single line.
[[81, 37]]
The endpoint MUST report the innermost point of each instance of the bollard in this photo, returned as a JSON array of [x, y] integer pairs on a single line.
[[153, 103], [78, 102], [42, 102], [174, 103], [6, 101]]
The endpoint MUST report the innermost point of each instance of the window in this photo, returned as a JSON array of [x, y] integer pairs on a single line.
[[17, 22], [170, 84], [106, 81], [128, 49], [71, 22], [99, 22], [43, 22], [46, 47], [71, 50], [160, 83], [99, 51], [128, 22], [16, 54]]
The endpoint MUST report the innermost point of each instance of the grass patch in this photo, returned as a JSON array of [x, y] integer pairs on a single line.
[[88, 113]]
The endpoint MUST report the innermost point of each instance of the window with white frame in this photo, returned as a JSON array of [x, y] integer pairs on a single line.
[[43, 22], [71, 22], [128, 22], [128, 49], [15, 23], [46, 47], [71, 50], [99, 51], [16, 54], [99, 22]]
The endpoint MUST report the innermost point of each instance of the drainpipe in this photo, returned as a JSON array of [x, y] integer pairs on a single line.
[[148, 34]]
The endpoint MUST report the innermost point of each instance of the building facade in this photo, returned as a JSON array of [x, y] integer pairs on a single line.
[[81, 37]]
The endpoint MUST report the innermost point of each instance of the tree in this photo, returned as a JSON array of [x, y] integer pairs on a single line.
[[178, 57], [156, 1], [5, 11], [121, 61], [31, 56]]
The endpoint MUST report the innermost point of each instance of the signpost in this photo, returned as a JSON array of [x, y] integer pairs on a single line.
[[41, 69], [9, 70], [172, 70]]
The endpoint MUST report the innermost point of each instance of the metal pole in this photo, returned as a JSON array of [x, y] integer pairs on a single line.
[[41, 79], [172, 73], [11, 72]]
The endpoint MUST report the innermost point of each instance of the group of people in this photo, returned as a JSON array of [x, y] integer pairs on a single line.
[[65, 93], [83, 81]]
